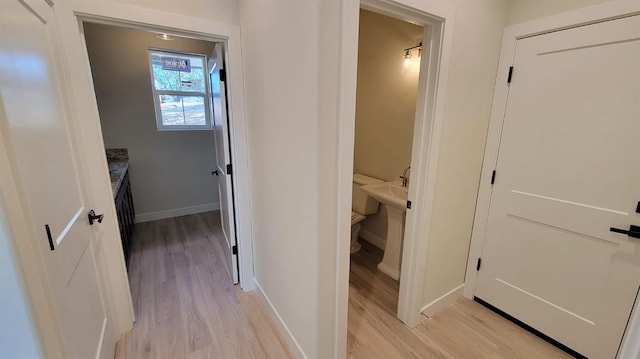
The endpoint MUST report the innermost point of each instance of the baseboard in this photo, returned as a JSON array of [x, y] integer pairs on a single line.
[[447, 298], [374, 239], [170, 213], [282, 327]]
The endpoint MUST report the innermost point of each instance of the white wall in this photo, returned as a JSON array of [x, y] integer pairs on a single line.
[[168, 170], [215, 10], [291, 74], [525, 10], [475, 50], [18, 335]]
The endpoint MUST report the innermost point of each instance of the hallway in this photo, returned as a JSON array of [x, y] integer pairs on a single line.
[[186, 307], [184, 302]]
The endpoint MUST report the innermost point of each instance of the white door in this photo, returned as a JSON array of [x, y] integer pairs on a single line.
[[32, 119], [568, 172], [223, 157]]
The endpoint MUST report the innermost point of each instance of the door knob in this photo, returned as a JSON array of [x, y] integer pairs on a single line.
[[93, 217], [634, 231], [216, 172]]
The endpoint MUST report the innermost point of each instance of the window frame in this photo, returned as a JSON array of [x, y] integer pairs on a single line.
[[206, 95]]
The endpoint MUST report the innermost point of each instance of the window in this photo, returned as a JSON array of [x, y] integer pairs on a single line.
[[180, 91]]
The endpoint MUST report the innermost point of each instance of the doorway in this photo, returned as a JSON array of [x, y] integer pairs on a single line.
[[86, 123], [165, 130], [390, 53]]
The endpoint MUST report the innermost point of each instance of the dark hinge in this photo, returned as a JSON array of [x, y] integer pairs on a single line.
[[46, 227], [234, 250], [479, 264], [229, 169], [409, 204], [493, 177], [223, 75], [638, 208], [510, 74]]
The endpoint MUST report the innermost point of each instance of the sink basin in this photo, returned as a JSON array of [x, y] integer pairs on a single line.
[[389, 193]]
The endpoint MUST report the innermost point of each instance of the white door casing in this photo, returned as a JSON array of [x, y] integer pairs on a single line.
[[567, 171], [34, 123], [223, 157]]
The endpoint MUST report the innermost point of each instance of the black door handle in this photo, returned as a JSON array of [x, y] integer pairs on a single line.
[[216, 172], [634, 231], [93, 217]]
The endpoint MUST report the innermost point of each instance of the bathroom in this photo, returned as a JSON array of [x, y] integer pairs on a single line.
[[389, 57]]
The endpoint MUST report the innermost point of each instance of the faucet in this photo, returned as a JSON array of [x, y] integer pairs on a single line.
[[405, 178]]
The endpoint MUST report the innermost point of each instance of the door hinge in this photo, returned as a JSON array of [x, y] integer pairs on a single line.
[[493, 177], [223, 75], [234, 250], [409, 204], [229, 169], [479, 264], [510, 74], [638, 208]]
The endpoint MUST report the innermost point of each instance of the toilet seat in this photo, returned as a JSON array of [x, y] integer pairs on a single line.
[[356, 218]]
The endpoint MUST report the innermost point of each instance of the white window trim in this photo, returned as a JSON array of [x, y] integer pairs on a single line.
[[206, 95]]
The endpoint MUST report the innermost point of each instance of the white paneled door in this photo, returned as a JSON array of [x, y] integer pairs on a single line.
[[562, 250], [217, 79], [34, 124]]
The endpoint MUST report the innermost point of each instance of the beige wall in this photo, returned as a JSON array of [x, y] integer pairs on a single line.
[[385, 98], [168, 169], [291, 61], [280, 55], [385, 105], [476, 43], [525, 10]]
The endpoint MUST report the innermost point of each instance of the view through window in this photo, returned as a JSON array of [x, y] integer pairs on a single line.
[[180, 90]]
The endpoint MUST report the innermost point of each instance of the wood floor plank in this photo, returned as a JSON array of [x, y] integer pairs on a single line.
[[185, 303], [187, 307], [463, 329]]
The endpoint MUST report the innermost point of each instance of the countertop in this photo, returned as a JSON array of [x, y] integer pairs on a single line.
[[118, 161], [117, 171]]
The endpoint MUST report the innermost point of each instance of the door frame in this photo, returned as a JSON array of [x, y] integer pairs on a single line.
[[589, 15], [437, 18], [85, 120]]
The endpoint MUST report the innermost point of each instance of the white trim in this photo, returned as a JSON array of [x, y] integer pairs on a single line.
[[293, 344], [176, 212], [606, 11], [85, 121], [445, 299], [345, 132], [373, 238]]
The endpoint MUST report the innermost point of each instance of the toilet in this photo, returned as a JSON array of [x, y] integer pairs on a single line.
[[361, 206]]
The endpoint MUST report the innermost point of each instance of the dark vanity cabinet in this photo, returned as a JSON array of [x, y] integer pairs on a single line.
[[126, 214]]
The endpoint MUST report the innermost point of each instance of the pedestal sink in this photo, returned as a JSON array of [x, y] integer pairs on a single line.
[[394, 197]]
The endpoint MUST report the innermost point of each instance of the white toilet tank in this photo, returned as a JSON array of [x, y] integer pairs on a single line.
[[361, 201]]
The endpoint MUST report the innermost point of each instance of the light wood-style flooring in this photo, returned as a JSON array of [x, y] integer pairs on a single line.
[[185, 303], [464, 329], [186, 307]]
